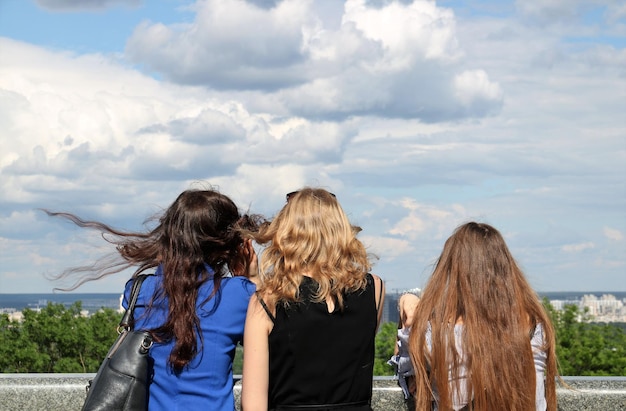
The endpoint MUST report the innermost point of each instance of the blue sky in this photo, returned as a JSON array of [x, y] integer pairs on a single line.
[[419, 116]]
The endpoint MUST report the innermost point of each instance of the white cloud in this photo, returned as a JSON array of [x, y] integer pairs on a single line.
[[19, 224], [474, 87], [551, 11], [406, 31], [210, 126], [390, 248], [613, 234], [84, 122], [576, 248], [418, 125], [215, 50], [616, 11], [548, 9], [424, 218], [79, 5], [265, 186], [316, 69]]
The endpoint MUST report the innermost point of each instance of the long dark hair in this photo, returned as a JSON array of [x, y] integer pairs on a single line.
[[199, 229]]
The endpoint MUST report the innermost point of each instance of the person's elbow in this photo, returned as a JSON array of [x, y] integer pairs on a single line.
[[250, 404]]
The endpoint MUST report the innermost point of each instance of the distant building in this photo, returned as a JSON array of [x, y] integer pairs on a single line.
[[16, 316], [390, 307], [606, 308], [7, 310]]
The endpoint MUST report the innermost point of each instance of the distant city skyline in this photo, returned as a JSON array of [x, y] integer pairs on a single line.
[[419, 115], [603, 306]]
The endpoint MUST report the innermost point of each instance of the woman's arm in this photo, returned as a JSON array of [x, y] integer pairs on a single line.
[[408, 303], [255, 380]]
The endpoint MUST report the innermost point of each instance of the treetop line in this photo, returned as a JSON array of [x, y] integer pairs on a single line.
[[40, 343]]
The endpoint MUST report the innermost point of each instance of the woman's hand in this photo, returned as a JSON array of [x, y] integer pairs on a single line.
[[250, 258], [247, 265]]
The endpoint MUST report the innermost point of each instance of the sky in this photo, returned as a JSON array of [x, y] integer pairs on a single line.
[[419, 115]]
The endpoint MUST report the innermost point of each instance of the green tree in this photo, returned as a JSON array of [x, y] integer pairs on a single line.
[[17, 353], [238, 361], [585, 348], [385, 344], [56, 339], [103, 325], [60, 333], [59, 339]]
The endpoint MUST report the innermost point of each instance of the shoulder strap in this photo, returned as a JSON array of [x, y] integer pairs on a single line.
[[127, 319], [267, 310]]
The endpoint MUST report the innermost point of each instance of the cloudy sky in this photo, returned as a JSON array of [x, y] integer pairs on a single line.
[[418, 115]]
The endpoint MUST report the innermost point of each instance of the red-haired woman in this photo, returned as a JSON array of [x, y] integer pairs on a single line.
[[481, 339]]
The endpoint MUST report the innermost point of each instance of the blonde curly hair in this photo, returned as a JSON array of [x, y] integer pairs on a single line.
[[311, 234]]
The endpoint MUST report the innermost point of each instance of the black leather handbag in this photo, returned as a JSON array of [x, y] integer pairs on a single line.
[[121, 382]]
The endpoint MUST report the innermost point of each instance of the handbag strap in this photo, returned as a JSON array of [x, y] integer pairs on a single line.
[[127, 321]]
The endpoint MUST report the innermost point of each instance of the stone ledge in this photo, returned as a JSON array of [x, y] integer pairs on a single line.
[[67, 392]]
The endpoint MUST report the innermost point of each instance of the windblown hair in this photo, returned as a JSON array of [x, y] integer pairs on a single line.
[[200, 227], [311, 234], [477, 280]]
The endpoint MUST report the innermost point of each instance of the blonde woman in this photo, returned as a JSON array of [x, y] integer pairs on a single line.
[[309, 334], [481, 339]]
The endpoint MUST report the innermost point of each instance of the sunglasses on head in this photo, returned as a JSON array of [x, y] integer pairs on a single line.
[[293, 193]]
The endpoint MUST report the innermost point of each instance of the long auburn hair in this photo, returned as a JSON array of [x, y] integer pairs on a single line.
[[201, 228], [477, 280], [311, 234]]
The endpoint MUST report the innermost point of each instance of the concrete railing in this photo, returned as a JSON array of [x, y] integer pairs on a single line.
[[66, 392]]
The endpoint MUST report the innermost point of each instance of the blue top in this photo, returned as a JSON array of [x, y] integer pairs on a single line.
[[207, 383]]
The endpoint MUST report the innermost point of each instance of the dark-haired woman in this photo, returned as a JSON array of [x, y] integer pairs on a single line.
[[193, 306]]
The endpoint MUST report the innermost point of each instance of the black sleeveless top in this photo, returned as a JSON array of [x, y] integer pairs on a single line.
[[320, 360]]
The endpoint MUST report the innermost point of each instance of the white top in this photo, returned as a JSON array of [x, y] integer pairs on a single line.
[[462, 398]]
